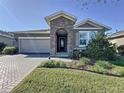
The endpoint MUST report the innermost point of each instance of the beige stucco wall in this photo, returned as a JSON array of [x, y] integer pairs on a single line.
[[7, 40], [118, 41]]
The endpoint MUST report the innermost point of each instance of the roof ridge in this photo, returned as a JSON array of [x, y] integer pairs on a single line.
[[121, 31]]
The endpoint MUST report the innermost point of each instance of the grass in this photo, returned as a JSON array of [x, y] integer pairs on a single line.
[[59, 80], [115, 68]]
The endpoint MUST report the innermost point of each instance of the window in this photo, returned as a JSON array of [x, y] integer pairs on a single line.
[[83, 38], [93, 34]]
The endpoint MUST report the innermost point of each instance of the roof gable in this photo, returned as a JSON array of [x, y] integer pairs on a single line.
[[60, 14], [89, 23]]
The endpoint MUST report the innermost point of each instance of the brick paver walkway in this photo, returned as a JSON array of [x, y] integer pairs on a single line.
[[14, 68]]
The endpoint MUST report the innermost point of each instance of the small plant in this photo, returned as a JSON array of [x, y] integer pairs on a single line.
[[76, 54], [121, 49], [62, 64], [104, 64], [102, 67], [118, 70], [84, 61], [9, 50], [97, 68], [2, 45], [53, 64]]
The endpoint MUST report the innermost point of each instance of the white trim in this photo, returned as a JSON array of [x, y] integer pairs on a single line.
[[33, 37], [88, 37], [58, 14], [90, 20], [87, 28]]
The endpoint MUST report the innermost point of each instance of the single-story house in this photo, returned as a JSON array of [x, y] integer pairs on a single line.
[[63, 36], [6, 38], [117, 38]]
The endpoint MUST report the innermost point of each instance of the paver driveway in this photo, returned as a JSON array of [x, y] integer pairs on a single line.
[[14, 68]]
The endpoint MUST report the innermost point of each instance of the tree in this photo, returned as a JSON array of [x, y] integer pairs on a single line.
[[100, 48], [86, 3]]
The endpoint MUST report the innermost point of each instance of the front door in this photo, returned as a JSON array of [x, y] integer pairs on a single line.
[[61, 44]]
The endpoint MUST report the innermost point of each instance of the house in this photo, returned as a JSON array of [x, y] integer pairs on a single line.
[[117, 38], [6, 38], [63, 36]]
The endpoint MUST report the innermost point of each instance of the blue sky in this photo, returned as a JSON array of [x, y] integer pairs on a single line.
[[18, 15]]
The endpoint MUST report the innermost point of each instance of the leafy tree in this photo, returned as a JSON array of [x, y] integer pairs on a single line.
[[101, 49], [86, 3]]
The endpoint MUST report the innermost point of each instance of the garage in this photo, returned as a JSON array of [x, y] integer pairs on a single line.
[[34, 44]]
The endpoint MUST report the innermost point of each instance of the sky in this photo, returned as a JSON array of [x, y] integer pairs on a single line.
[[21, 15]]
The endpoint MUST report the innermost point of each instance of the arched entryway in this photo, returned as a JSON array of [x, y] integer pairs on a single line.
[[61, 40]]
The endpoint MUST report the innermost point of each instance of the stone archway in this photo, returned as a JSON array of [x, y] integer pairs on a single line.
[[61, 40], [57, 27]]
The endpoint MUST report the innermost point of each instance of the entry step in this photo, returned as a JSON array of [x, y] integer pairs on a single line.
[[62, 54]]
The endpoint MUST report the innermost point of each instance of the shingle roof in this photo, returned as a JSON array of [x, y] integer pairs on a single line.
[[118, 34], [6, 34], [45, 31]]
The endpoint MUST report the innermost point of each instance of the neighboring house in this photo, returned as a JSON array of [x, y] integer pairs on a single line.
[[6, 38], [117, 38], [63, 36]]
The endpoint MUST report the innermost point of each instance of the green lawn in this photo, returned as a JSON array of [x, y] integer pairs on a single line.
[[58, 80]]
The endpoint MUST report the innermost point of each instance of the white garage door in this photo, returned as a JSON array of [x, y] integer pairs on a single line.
[[34, 45]]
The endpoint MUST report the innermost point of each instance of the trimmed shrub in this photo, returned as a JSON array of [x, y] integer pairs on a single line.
[[53, 64], [100, 48], [119, 61], [9, 50], [2, 45], [121, 49], [84, 61]]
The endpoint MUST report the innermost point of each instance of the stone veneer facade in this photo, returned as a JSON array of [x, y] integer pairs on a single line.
[[67, 25]]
